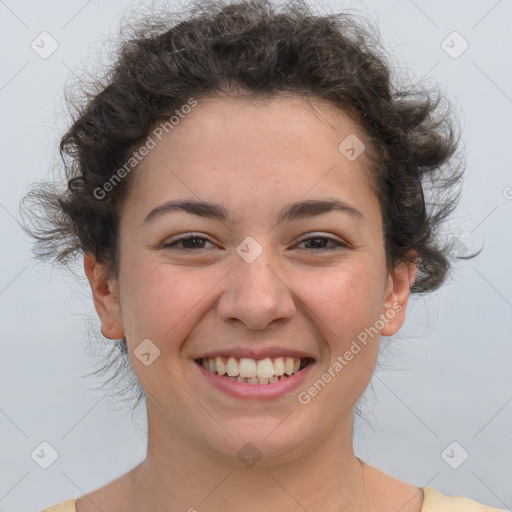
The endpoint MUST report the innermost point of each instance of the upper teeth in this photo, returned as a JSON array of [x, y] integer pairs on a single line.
[[246, 367]]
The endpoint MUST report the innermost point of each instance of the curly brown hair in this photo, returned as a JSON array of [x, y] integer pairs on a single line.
[[261, 50]]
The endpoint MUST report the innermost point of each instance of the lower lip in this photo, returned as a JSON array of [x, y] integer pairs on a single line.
[[255, 391]]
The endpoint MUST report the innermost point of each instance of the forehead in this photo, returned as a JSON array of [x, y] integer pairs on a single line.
[[245, 150], [242, 127]]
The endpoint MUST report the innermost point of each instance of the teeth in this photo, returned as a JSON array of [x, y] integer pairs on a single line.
[[232, 367], [263, 371], [289, 365], [265, 368], [221, 367], [279, 366], [247, 367]]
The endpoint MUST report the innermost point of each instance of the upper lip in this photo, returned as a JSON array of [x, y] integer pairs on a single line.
[[252, 353]]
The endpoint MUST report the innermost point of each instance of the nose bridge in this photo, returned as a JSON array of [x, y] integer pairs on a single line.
[[254, 292]]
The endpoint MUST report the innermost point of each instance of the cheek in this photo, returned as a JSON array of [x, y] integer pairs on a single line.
[[164, 302], [346, 304], [345, 300]]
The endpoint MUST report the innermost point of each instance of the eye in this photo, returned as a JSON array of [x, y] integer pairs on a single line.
[[195, 241], [190, 242], [319, 243]]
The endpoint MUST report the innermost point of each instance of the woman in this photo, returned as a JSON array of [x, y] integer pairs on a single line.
[[247, 193]]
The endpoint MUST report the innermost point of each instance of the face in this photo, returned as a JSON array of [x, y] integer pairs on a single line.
[[252, 284]]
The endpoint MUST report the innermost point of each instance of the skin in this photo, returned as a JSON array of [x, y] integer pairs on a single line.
[[253, 157]]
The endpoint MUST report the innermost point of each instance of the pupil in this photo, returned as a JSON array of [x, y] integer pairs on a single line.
[[191, 240], [318, 242]]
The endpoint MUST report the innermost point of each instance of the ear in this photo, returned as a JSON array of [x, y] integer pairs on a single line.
[[398, 289], [106, 297]]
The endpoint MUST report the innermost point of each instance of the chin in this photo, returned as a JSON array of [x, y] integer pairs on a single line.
[[265, 441]]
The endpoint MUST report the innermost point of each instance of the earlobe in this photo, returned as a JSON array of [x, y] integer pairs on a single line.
[[400, 282], [106, 298]]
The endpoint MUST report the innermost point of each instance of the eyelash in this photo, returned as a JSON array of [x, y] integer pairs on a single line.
[[196, 236]]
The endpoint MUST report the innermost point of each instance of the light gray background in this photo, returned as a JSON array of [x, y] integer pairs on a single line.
[[447, 376]]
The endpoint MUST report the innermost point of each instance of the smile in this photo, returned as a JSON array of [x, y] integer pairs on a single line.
[[256, 372], [255, 379]]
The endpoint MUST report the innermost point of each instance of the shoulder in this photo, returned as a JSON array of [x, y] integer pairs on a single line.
[[434, 501], [65, 506]]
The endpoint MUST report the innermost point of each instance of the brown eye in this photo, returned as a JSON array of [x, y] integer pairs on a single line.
[[320, 242], [189, 242]]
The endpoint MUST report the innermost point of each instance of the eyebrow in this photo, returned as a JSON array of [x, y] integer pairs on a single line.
[[290, 212]]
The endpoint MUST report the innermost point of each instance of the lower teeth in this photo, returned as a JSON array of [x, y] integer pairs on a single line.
[[255, 380]]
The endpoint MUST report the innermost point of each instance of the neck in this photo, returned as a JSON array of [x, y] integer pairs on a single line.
[[180, 474]]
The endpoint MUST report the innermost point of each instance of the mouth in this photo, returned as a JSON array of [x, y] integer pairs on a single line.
[[255, 372]]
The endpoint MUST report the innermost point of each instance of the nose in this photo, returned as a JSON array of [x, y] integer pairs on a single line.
[[255, 294]]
